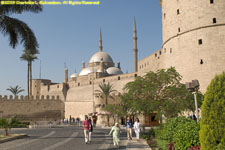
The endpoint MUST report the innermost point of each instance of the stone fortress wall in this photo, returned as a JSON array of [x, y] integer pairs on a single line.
[[33, 109], [46, 87], [193, 40], [79, 100]]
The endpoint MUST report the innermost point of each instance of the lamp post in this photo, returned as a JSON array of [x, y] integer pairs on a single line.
[[193, 87], [93, 94]]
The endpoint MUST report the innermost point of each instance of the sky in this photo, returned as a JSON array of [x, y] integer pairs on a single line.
[[70, 34]]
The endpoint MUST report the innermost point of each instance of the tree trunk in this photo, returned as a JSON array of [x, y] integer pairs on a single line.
[[30, 78], [106, 103], [6, 132], [114, 119], [108, 120]]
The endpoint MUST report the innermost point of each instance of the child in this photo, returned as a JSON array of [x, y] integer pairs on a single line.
[[116, 134]]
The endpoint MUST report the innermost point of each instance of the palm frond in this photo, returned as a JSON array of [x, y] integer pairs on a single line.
[[28, 56], [18, 31], [15, 90], [106, 90]]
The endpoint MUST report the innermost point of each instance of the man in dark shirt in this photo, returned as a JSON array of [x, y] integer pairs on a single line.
[[129, 126]]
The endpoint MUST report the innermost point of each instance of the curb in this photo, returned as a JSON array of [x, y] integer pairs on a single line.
[[13, 138], [143, 141]]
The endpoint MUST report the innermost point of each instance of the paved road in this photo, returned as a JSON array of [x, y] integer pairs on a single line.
[[61, 138]]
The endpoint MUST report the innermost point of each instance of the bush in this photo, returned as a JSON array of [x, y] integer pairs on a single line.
[[149, 135], [168, 129], [212, 133], [183, 132], [15, 123], [186, 135]]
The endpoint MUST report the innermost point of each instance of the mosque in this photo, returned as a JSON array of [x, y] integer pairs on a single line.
[[193, 42]]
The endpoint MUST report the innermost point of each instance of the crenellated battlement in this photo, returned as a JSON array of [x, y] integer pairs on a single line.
[[20, 98]]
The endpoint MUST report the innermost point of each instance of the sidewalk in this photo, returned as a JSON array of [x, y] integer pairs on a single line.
[[13, 137], [137, 145], [134, 144]]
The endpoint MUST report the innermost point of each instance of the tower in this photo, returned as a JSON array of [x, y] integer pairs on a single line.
[[193, 38], [83, 64], [66, 75], [100, 41], [135, 50]]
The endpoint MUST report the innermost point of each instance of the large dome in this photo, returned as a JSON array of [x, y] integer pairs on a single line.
[[97, 57], [114, 71], [86, 71]]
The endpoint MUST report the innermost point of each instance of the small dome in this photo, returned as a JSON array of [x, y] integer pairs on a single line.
[[74, 75], [97, 57], [86, 71], [114, 71]]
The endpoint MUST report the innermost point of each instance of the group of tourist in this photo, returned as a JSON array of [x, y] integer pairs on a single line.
[[129, 127], [193, 117], [88, 124]]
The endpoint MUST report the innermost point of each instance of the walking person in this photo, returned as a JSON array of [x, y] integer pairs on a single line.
[[86, 126], [94, 120], [78, 121], [90, 129], [137, 128], [129, 127], [116, 135]]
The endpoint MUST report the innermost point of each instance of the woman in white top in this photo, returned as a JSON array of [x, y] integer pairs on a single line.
[[137, 128]]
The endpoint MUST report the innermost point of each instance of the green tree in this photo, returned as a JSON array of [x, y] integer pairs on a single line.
[[115, 110], [212, 132], [105, 92], [29, 56], [15, 90], [6, 125], [157, 92], [18, 31], [190, 105]]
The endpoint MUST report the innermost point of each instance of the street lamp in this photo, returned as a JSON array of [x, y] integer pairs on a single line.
[[93, 88], [193, 87]]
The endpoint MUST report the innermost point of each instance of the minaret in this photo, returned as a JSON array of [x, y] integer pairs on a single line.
[[83, 64], [135, 50], [118, 64], [100, 41], [66, 75]]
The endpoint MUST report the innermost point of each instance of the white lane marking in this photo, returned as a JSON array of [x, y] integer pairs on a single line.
[[52, 147], [28, 142]]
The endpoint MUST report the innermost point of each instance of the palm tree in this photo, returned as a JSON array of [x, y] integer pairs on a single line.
[[6, 125], [15, 90], [105, 91], [29, 56], [18, 31]]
